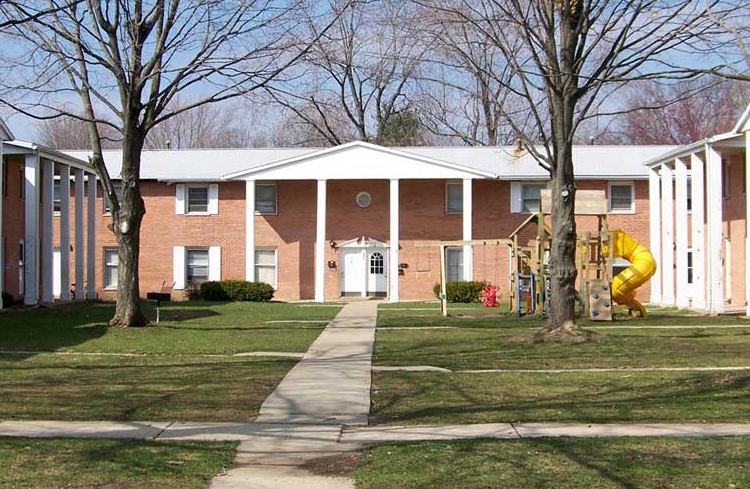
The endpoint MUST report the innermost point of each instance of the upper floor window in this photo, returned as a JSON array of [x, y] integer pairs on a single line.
[[621, 197], [454, 197], [726, 191], [117, 184], [526, 197], [197, 199], [56, 190], [266, 199]]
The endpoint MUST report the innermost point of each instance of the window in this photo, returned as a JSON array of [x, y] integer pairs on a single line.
[[377, 264], [56, 190], [690, 266], [689, 195], [196, 261], [111, 262], [265, 198], [117, 184], [265, 266], [197, 200], [531, 197], [454, 197], [455, 264], [621, 197]]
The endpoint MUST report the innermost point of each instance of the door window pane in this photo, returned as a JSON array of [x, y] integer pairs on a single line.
[[377, 263]]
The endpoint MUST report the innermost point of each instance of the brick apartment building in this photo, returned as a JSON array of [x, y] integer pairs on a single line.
[[321, 223]]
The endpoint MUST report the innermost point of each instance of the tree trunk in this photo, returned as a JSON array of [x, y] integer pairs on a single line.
[[127, 228]]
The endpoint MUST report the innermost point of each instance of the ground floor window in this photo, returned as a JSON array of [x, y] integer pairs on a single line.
[[454, 263], [196, 260], [265, 266], [111, 263]]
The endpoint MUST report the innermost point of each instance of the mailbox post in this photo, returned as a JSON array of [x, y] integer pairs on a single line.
[[159, 297]]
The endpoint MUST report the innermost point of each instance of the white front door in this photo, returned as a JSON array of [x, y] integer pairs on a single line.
[[377, 280], [352, 272]]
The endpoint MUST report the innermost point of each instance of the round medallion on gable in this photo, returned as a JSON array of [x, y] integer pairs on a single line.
[[364, 199]]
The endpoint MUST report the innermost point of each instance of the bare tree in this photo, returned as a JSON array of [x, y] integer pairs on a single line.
[[66, 132], [562, 57], [126, 61], [357, 75], [681, 113], [205, 126]]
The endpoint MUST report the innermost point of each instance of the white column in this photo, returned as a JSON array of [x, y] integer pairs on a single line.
[[654, 202], [715, 250], [91, 248], [320, 243], [31, 230], [250, 230], [48, 179], [697, 224], [78, 245], [64, 233], [682, 298], [468, 212], [394, 241], [667, 235], [747, 218]]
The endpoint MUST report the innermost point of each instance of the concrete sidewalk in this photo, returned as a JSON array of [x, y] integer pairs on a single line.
[[331, 384]]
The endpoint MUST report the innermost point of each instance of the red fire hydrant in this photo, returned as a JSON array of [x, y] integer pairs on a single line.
[[490, 295]]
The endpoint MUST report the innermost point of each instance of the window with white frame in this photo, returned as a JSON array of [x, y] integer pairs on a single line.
[[689, 195], [197, 199], [56, 191], [111, 264], [266, 198], [622, 197], [454, 197], [690, 266], [117, 185], [265, 266], [531, 197], [196, 265], [726, 178], [454, 266]]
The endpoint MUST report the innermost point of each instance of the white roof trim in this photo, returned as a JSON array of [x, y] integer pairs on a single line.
[[689, 149], [4, 128], [742, 124], [25, 147], [363, 242], [327, 152]]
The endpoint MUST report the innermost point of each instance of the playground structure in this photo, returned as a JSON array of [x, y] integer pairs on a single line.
[[596, 251]]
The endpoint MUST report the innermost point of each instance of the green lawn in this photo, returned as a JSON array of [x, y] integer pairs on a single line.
[[482, 339], [559, 463], [180, 369], [185, 328], [112, 464]]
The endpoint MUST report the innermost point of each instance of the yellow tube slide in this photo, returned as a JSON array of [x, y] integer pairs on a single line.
[[642, 267]]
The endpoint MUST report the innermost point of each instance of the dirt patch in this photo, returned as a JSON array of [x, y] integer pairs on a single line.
[[337, 465]]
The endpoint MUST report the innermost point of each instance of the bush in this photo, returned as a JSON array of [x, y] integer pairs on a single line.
[[7, 299], [236, 290], [461, 291], [212, 291]]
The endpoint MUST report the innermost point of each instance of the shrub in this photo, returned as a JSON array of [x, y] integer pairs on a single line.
[[7, 299], [464, 291], [213, 291], [236, 290]]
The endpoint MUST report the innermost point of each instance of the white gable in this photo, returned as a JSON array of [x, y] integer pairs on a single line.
[[356, 161], [363, 242]]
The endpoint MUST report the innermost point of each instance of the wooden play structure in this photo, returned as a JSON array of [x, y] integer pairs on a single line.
[[599, 287]]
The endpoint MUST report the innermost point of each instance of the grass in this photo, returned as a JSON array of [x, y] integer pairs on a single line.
[[111, 464], [178, 370], [432, 398], [559, 463], [185, 328], [482, 339], [81, 387]]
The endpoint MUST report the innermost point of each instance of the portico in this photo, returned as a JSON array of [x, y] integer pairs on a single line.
[[41, 203], [362, 162]]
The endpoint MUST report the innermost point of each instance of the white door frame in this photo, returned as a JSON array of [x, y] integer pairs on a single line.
[[365, 247]]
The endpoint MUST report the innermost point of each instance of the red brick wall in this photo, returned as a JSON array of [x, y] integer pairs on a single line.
[[292, 231], [735, 231]]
